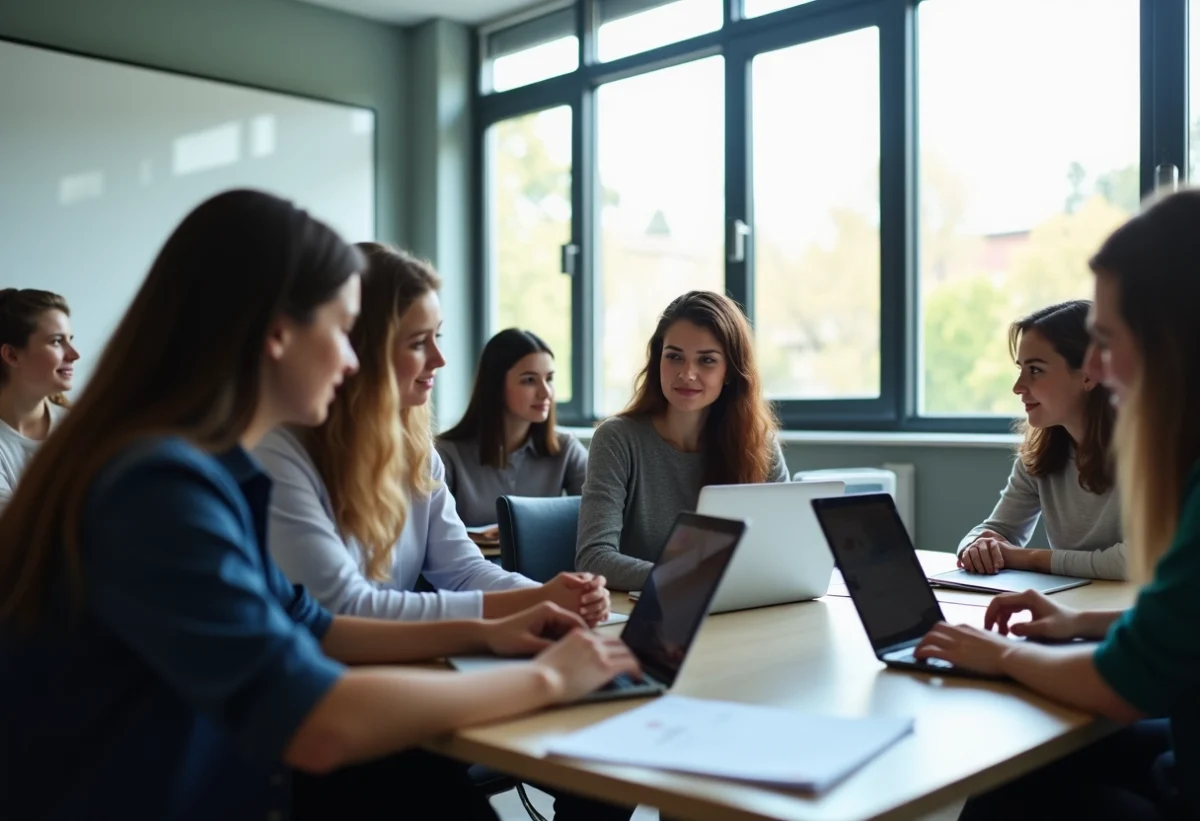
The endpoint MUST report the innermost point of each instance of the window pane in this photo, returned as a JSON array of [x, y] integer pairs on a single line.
[[816, 214], [531, 51], [529, 220], [1019, 180], [662, 199], [757, 8], [633, 26]]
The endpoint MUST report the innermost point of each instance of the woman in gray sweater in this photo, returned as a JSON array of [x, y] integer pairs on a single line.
[[1062, 470], [698, 417]]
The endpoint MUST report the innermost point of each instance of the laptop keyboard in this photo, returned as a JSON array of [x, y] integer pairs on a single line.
[[623, 682], [907, 656]]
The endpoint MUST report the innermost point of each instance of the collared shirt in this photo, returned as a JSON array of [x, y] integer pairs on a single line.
[[476, 486], [175, 688], [433, 543]]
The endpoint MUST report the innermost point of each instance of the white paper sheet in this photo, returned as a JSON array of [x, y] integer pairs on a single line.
[[740, 741]]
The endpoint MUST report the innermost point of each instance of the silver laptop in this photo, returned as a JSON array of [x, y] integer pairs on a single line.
[[782, 558], [667, 616]]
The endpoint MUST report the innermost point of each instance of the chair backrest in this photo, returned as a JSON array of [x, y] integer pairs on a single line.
[[537, 534]]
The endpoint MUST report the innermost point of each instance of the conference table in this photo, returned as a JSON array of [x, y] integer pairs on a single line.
[[969, 735]]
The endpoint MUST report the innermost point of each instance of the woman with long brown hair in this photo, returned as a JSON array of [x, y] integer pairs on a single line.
[[698, 417], [1146, 670], [1063, 470], [154, 661], [37, 366], [361, 510]]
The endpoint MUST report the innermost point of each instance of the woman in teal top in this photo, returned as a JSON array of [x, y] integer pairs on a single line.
[[1146, 671]]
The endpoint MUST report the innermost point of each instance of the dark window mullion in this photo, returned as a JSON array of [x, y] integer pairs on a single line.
[[738, 176], [1164, 60]]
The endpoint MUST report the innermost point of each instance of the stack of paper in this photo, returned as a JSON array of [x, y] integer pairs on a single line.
[[741, 741]]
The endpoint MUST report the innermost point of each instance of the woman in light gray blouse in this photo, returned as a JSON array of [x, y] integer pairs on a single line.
[[1062, 470], [698, 417], [506, 444], [360, 510]]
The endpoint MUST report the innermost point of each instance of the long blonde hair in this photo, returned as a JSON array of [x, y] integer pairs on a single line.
[[1153, 261], [371, 453], [186, 360]]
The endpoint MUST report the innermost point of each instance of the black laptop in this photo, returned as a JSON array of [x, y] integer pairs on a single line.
[[880, 568], [672, 606]]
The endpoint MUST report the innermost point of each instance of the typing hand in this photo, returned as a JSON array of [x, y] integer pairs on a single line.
[[966, 647], [1048, 621], [530, 631], [583, 662]]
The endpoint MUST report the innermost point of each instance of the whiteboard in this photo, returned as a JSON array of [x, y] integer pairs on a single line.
[[99, 161]]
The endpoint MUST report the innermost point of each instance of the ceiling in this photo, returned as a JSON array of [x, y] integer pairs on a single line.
[[408, 12]]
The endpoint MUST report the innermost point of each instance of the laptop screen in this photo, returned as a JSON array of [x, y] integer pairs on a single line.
[[880, 567], [676, 595]]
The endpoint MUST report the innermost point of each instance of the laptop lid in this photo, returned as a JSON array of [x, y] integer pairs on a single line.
[[782, 557], [676, 595], [880, 568]]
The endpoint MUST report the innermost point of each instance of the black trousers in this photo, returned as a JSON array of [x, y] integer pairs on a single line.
[[1128, 776], [414, 785]]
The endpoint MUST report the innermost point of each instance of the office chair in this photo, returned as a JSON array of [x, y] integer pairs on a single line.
[[537, 534]]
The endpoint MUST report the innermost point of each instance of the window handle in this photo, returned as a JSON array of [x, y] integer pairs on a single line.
[[1166, 176], [570, 259], [735, 240]]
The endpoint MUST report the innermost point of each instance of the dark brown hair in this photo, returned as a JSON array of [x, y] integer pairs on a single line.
[[20, 310], [484, 417], [185, 360], [739, 431], [372, 453], [1044, 451]]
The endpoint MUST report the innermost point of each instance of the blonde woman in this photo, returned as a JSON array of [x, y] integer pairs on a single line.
[[361, 510], [1146, 671]]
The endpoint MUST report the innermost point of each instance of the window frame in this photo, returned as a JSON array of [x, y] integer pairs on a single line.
[[1164, 58]]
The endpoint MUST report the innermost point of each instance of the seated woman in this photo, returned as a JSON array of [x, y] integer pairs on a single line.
[[361, 510], [37, 358], [1062, 470], [698, 417], [506, 444], [154, 662], [1145, 673]]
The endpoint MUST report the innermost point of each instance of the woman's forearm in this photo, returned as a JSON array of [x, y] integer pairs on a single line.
[[498, 604], [354, 640], [370, 712], [1094, 624], [1066, 675]]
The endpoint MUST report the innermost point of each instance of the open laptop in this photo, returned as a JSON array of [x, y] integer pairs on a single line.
[[782, 558], [672, 606], [880, 568]]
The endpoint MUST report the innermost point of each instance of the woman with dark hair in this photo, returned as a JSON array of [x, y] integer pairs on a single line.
[[506, 443], [1145, 672], [1063, 469], [698, 417], [154, 661], [37, 364]]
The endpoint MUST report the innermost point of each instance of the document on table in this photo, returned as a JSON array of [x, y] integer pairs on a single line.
[[746, 742]]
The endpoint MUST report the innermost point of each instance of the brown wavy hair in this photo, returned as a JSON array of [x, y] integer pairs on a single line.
[[484, 416], [20, 309], [741, 426], [1045, 451], [371, 453], [185, 360], [1152, 260]]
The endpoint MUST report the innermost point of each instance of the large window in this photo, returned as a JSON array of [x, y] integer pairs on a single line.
[[529, 186], [884, 185], [1026, 165], [660, 220], [816, 217]]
